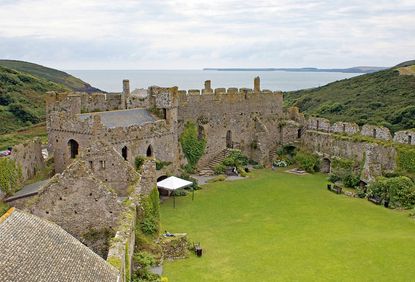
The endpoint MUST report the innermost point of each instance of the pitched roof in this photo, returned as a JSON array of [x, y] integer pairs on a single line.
[[34, 249], [122, 118]]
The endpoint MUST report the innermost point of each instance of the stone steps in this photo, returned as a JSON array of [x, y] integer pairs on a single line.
[[209, 169]]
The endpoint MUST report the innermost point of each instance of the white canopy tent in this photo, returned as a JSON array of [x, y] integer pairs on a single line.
[[174, 183]]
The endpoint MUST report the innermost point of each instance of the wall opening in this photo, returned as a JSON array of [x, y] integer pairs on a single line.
[[164, 113], [325, 165], [299, 133], [374, 133], [162, 192], [318, 124], [73, 148], [124, 152], [149, 151], [409, 139], [344, 128], [229, 143], [200, 132]]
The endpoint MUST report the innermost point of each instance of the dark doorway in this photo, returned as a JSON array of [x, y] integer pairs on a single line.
[[229, 143], [124, 152], [149, 151], [326, 165], [73, 148], [299, 133], [409, 139]]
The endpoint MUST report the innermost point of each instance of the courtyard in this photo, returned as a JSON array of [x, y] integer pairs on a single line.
[[277, 226]]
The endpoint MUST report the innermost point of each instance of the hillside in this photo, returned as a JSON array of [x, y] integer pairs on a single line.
[[385, 97], [53, 75], [22, 99]]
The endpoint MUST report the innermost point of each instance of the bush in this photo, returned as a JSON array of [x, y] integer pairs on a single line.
[[186, 176], [258, 166], [219, 169], [279, 163], [399, 191], [22, 113], [161, 164], [307, 161], [333, 178], [351, 181], [144, 260], [217, 179], [139, 161]]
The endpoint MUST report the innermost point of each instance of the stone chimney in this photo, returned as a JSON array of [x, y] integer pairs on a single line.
[[257, 84], [126, 92]]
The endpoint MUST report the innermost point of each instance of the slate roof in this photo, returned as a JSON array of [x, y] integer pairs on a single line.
[[122, 118], [34, 249]]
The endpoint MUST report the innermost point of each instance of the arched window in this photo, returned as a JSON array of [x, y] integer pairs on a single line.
[[73, 148], [124, 152], [149, 151], [229, 143]]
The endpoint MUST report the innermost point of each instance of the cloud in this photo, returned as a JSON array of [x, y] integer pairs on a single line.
[[194, 34]]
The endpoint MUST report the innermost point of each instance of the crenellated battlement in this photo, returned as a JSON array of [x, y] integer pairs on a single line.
[[368, 130]]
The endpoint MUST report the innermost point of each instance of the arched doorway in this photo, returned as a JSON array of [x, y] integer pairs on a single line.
[[73, 148], [325, 165], [149, 151], [229, 143], [124, 152], [162, 192]]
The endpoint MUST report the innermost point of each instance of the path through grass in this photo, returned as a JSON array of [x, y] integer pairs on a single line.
[[277, 226]]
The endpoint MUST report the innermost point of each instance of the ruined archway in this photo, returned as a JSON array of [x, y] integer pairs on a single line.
[[124, 152], [325, 165], [162, 192], [73, 147], [229, 143], [149, 151]]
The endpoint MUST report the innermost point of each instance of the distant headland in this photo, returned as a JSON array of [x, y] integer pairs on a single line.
[[362, 69]]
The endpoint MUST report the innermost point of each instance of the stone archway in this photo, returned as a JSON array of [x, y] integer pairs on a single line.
[[73, 148], [325, 165], [162, 192], [149, 152]]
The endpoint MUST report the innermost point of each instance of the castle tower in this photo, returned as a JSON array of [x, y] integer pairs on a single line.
[[208, 86], [257, 84], [126, 92]]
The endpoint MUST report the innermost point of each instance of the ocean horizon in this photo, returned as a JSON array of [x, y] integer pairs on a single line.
[[111, 80]]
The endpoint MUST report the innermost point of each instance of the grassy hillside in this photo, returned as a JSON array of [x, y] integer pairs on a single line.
[[22, 99], [386, 98], [53, 75]]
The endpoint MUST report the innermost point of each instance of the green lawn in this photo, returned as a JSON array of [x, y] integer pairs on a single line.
[[277, 226]]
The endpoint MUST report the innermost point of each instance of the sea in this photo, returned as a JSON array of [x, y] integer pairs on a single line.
[[111, 80]]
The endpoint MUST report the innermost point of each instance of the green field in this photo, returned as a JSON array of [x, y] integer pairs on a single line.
[[277, 226]]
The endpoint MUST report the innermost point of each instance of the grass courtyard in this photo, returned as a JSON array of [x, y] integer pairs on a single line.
[[276, 226]]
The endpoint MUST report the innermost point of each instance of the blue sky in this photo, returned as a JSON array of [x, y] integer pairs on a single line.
[[187, 34]]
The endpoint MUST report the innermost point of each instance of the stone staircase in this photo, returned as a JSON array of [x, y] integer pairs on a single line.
[[209, 168]]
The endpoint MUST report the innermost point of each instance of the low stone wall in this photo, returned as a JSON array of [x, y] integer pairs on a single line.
[[405, 137], [378, 132], [29, 157], [121, 250]]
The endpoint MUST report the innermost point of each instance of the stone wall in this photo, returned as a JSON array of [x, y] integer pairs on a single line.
[[121, 251], [321, 124], [29, 158], [233, 118], [378, 132], [345, 127], [148, 176], [375, 158], [110, 167], [405, 137], [81, 204]]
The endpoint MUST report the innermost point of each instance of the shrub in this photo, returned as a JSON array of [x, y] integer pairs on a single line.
[[219, 169], [139, 161], [258, 166], [186, 176], [144, 260], [351, 181], [280, 163], [307, 161], [217, 179], [399, 191], [23, 113], [161, 164], [235, 158]]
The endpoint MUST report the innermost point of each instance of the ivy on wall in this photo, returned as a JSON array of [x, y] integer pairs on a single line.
[[193, 145], [10, 176], [406, 159]]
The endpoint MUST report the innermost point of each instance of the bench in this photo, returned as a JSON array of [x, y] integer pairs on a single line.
[[336, 189], [375, 199]]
